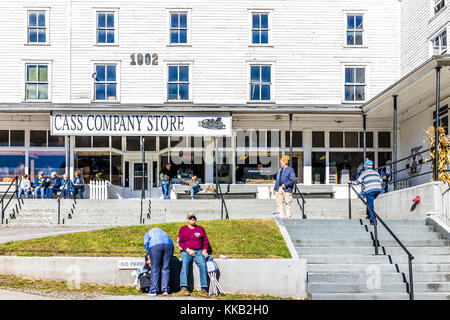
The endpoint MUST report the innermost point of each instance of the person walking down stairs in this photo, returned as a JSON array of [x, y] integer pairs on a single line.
[[373, 186]]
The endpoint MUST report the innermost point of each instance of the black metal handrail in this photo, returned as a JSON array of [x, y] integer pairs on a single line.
[[58, 197], [376, 242], [3, 207], [302, 206], [223, 204]]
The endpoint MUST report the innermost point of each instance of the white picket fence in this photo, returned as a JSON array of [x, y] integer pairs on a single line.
[[98, 189]]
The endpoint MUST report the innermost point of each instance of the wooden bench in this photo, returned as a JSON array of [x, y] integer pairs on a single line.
[[315, 191], [229, 191]]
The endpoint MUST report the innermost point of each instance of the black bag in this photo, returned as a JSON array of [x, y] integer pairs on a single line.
[[145, 280]]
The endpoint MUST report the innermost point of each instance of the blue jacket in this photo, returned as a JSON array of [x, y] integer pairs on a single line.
[[69, 185], [154, 237], [288, 179], [43, 182], [56, 182]]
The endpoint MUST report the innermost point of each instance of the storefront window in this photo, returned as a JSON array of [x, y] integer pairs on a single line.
[[47, 162], [344, 165], [12, 163], [297, 140], [150, 143], [56, 141], [224, 163], [38, 138], [100, 142], [351, 139], [318, 139], [4, 138], [256, 167], [369, 139], [83, 142], [336, 139], [133, 144], [116, 167], [93, 165], [17, 138], [116, 142], [384, 139], [318, 167]]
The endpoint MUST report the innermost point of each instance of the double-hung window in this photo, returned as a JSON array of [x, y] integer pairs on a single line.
[[440, 43], [106, 27], [36, 84], [178, 83], [178, 28], [105, 82], [260, 28], [37, 27], [260, 82], [438, 5], [355, 84], [355, 30]]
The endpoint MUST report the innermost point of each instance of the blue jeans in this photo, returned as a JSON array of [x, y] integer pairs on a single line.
[[166, 190], [186, 261], [78, 191], [65, 193], [51, 191], [39, 192], [160, 256], [22, 191], [386, 187], [370, 197], [195, 188]]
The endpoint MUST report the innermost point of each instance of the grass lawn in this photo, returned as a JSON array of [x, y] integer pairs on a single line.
[[241, 239], [60, 289]]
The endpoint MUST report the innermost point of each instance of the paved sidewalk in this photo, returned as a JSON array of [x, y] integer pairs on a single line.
[[17, 295], [20, 233]]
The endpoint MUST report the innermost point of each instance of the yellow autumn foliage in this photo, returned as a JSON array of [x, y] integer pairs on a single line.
[[443, 151]]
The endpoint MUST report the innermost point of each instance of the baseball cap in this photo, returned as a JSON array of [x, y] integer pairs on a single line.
[[368, 163]]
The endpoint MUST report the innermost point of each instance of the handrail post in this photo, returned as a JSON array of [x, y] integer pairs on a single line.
[[59, 209], [411, 282], [349, 202], [375, 233], [3, 212], [17, 192], [303, 209]]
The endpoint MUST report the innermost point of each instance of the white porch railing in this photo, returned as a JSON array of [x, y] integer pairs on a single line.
[[98, 189]]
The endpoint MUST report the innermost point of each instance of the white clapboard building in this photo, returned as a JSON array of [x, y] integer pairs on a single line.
[[81, 81]]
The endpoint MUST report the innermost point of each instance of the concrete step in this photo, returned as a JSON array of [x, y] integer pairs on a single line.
[[351, 268], [431, 296], [357, 227], [422, 259], [363, 277], [431, 286], [424, 267], [341, 259], [299, 242], [344, 287], [350, 221], [334, 235], [360, 296], [370, 250]]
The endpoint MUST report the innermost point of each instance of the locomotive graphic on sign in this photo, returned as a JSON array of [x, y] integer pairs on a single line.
[[213, 124]]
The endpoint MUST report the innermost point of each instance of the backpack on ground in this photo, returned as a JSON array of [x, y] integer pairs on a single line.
[[145, 281]]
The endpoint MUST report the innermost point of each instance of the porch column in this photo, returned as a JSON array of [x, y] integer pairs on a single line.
[[394, 147], [364, 137], [209, 160], [438, 98], [290, 138], [307, 156]]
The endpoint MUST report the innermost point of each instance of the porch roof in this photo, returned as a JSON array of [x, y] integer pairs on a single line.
[[415, 91]]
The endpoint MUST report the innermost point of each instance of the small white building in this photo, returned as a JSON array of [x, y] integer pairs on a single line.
[[255, 64]]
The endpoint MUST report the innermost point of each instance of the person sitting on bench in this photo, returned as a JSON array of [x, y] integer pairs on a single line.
[[194, 185]]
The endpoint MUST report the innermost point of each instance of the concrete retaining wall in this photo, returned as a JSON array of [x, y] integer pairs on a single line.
[[397, 204], [277, 277]]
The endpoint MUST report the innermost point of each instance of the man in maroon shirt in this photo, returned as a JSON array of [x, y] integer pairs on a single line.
[[193, 243]]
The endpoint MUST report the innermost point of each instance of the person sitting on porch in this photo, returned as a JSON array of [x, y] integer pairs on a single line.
[[40, 184], [164, 178], [66, 187], [78, 185], [53, 185], [24, 186], [372, 182], [194, 185]]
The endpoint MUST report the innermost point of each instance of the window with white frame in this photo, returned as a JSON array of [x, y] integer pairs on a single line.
[[355, 84], [105, 82], [37, 27], [440, 43], [260, 82], [36, 82], [260, 28], [178, 28], [106, 27], [355, 29], [438, 5], [178, 83]]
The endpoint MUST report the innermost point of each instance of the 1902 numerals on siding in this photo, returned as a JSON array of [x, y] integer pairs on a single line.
[[140, 58]]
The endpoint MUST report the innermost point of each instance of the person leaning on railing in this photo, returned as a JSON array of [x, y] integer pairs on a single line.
[[24, 186], [66, 187], [78, 185], [371, 180]]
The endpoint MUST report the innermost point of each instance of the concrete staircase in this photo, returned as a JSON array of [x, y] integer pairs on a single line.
[[124, 212], [342, 265]]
